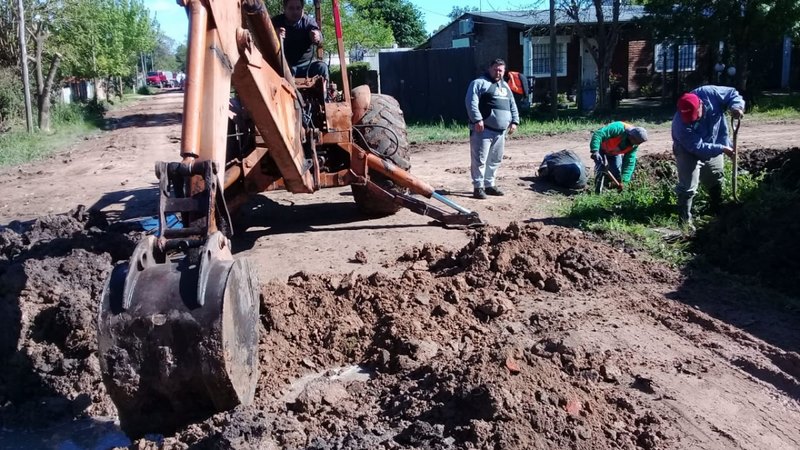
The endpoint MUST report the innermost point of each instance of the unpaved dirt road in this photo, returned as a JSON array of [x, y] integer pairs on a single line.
[[113, 172], [522, 336]]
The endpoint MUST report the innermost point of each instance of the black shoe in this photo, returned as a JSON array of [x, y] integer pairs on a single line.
[[492, 190], [479, 193]]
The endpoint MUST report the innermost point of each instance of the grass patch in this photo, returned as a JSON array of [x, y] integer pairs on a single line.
[[632, 217], [649, 114], [69, 123], [638, 216], [541, 123], [777, 106], [453, 131]]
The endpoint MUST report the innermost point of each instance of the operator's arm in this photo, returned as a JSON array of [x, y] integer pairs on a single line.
[[611, 130], [629, 164], [313, 29], [472, 100]]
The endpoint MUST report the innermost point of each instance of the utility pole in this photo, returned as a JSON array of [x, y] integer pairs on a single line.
[[24, 60], [553, 60]]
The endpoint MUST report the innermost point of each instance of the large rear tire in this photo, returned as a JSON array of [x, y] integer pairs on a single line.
[[383, 130]]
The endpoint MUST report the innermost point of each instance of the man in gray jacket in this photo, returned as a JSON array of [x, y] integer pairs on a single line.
[[492, 113]]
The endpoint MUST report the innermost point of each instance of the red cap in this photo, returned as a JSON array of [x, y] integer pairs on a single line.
[[689, 107]]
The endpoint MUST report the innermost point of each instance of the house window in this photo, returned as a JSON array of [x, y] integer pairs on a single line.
[[687, 57], [541, 59]]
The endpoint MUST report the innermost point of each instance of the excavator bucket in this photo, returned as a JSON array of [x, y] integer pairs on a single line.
[[178, 339]]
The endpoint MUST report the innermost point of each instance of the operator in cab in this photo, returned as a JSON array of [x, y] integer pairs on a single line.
[[299, 35]]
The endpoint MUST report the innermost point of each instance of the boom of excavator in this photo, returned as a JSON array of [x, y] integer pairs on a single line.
[[178, 324]]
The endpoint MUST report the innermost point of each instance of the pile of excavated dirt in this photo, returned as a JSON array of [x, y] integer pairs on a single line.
[[51, 277], [454, 361]]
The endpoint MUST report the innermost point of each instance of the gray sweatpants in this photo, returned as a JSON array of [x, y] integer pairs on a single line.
[[486, 150], [691, 172]]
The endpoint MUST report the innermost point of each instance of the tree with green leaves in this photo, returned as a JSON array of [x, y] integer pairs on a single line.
[[43, 53], [103, 38], [743, 28], [404, 19], [605, 31], [458, 11]]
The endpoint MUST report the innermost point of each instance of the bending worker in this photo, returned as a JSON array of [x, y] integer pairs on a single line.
[[614, 147], [699, 139]]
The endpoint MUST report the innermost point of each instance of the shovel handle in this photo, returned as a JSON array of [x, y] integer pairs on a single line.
[[735, 123]]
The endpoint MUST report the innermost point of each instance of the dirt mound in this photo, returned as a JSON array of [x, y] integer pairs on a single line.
[[51, 277], [656, 168], [449, 358], [765, 160], [760, 237]]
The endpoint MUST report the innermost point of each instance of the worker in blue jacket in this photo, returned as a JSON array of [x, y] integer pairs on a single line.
[[700, 137]]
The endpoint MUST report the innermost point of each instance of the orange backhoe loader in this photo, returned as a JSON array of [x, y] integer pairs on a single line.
[[178, 323]]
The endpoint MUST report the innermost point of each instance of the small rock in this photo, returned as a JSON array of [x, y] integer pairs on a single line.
[[420, 265], [584, 433], [444, 309], [335, 394], [308, 363], [573, 407], [495, 307], [610, 373], [424, 350], [512, 365], [360, 257], [452, 296], [481, 255], [541, 396], [551, 284], [422, 298]]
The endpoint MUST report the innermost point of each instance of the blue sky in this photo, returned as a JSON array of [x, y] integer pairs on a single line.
[[173, 18]]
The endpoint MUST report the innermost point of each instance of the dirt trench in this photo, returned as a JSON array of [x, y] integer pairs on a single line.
[[530, 336]]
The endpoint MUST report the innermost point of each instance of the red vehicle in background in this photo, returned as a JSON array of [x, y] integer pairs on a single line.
[[160, 78]]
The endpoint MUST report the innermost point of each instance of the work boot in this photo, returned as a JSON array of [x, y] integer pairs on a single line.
[[493, 190], [684, 208], [479, 193], [687, 227]]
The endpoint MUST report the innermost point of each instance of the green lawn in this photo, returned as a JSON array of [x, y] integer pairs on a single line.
[[650, 114], [69, 123]]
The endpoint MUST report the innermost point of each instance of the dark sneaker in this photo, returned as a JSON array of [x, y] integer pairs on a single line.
[[493, 190], [479, 193]]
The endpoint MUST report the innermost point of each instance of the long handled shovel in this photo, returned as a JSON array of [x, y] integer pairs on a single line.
[[735, 179], [611, 177]]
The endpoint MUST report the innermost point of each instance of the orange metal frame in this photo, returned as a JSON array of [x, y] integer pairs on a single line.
[[235, 44]]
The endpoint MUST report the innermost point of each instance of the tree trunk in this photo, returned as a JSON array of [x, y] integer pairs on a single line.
[[44, 97]]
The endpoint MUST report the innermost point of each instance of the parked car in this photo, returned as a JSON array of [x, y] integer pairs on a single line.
[[160, 78]]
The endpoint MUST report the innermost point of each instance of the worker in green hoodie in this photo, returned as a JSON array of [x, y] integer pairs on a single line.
[[614, 147]]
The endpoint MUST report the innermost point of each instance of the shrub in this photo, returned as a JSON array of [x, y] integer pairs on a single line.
[[356, 71], [12, 103]]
